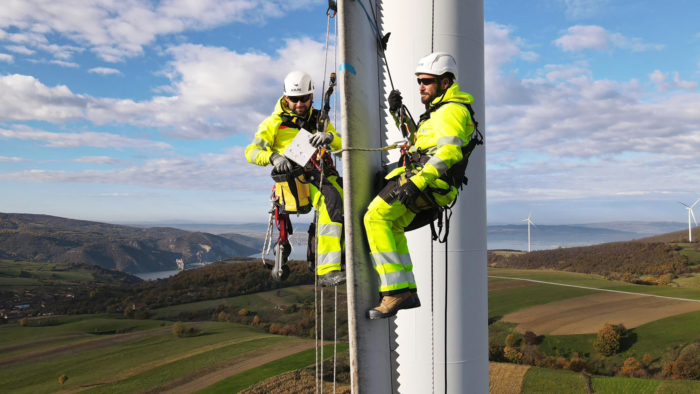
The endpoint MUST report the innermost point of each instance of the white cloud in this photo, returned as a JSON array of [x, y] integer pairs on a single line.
[[500, 49], [578, 38], [100, 160], [6, 58], [211, 99], [581, 137], [65, 64], [583, 8], [116, 30], [4, 159], [658, 78], [74, 140], [225, 172], [20, 49], [104, 71]]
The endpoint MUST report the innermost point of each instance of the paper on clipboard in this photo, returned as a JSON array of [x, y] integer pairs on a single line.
[[300, 150]]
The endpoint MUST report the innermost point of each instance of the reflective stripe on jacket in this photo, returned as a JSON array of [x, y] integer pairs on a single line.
[[443, 135], [273, 136]]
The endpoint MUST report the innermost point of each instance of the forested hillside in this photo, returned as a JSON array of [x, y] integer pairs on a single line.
[[124, 248], [678, 236], [636, 258]]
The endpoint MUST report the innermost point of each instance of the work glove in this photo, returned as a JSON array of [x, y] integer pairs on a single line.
[[320, 138], [281, 163], [408, 193], [395, 101]]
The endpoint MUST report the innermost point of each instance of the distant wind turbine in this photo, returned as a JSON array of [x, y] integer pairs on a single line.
[[690, 213], [529, 222]]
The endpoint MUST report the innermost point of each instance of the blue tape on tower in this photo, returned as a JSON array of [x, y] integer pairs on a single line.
[[347, 67]]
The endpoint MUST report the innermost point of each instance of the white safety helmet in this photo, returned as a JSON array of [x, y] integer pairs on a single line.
[[437, 63], [298, 83]]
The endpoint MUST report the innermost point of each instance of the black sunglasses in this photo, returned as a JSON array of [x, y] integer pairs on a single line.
[[426, 81], [296, 99]]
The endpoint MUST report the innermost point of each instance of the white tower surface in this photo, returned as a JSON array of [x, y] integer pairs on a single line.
[[417, 29]]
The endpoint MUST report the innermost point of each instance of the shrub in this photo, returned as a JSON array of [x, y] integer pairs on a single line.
[[530, 338], [178, 329], [142, 315], [632, 368], [576, 364], [511, 340], [512, 354], [647, 359], [62, 379], [531, 354], [686, 367], [223, 316], [256, 320], [24, 322], [608, 341], [495, 352], [129, 312], [243, 312]]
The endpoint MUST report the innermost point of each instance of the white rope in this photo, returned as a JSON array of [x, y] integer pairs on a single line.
[[335, 308], [316, 305]]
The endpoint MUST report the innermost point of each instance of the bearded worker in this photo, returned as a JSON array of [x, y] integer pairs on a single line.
[[424, 182], [294, 111]]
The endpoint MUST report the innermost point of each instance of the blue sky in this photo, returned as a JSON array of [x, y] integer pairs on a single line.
[[140, 110]]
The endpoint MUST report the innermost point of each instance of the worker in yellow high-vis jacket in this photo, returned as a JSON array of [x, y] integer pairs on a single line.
[[444, 130], [293, 112]]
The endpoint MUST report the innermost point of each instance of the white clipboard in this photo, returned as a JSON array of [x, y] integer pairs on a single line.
[[300, 150]]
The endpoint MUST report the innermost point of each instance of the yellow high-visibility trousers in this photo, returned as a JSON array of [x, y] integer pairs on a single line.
[[327, 199], [385, 225]]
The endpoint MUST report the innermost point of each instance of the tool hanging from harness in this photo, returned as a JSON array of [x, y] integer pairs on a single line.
[[427, 208], [291, 193]]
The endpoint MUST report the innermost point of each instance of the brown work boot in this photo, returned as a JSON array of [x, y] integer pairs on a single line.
[[416, 301], [390, 305]]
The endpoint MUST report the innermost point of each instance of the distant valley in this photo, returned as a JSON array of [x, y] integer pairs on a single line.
[[124, 248]]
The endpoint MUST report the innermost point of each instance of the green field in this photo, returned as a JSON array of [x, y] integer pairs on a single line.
[[254, 376], [504, 301], [147, 358], [38, 272], [14, 334], [595, 281], [250, 301], [545, 381], [624, 386], [263, 300], [653, 338]]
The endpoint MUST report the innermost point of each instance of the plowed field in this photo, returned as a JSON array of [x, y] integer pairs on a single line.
[[587, 315]]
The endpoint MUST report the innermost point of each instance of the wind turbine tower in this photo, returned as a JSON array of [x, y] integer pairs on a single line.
[[690, 213], [529, 222]]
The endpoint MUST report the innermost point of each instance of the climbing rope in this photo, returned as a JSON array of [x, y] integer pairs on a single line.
[[321, 378], [330, 13], [335, 298], [316, 306]]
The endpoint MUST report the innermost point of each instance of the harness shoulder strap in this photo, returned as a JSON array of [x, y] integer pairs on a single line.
[[297, 122]]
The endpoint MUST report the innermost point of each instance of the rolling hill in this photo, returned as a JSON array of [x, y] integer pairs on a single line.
[[124, 248]]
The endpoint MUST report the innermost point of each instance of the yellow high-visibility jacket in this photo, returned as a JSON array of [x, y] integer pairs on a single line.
[[277, 131], [443, 135]]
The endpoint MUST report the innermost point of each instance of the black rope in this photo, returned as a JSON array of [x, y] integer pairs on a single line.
[[447, 279]]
